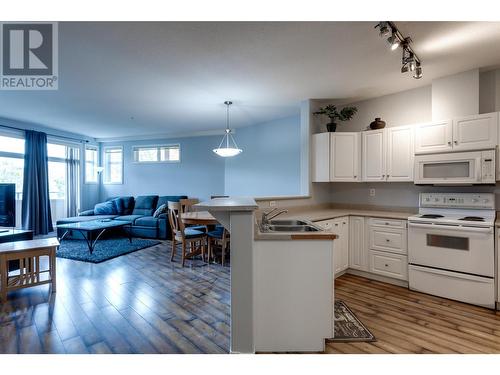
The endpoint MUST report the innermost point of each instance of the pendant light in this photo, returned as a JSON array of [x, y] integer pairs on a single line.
[[227, 146]]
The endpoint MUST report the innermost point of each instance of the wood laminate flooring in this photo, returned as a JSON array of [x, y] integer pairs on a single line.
[[142, 303], [137, 303], [404, 321]]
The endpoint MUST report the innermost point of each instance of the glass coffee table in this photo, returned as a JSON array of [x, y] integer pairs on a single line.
[[94, 229]]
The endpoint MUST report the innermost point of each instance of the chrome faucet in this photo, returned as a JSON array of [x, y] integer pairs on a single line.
[[266, 216]]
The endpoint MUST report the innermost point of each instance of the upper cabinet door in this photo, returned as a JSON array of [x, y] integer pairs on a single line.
[[345, 157], [475, 132], [373, 154], [321, 157], [433, 137], [400, 153]]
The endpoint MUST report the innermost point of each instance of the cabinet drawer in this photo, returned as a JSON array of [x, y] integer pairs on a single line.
[[390, 265], [387, 223], [388, 239]]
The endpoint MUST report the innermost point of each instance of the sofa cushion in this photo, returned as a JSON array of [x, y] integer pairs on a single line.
[[105, 208], [169, 198], [87, 213], [147, 221], [145, 205], [126, 204], [80, 219], [131, 218]]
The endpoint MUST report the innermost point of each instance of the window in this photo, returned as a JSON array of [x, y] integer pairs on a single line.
[[59, 162], [157, 154], [91, 164], [113, 165]]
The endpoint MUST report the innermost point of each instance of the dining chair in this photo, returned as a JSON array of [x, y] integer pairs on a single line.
[[220, 237], [187, 206], [188, 203], [185, 235]]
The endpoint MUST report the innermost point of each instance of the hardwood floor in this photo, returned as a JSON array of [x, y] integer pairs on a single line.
[[409, 322], [137, 303], [142, 303]]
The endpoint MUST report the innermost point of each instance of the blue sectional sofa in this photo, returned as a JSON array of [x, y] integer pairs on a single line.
[[138, 210]]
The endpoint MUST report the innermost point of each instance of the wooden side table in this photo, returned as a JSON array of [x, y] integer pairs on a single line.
[[28, 254]]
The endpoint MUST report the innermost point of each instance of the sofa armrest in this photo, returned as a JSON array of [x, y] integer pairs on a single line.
[[163, 216], [86, 213]]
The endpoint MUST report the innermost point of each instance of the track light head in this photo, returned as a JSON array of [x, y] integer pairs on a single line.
[[385, 28], [393, 41], [411, 61], [418, 72], [404, 68]]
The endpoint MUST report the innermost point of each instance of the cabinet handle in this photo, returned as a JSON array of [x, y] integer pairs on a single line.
[[449, 143], [456, 142], [387, 240], [387, 265]]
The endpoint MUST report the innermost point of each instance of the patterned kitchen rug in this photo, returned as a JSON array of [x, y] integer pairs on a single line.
[[347, 327]]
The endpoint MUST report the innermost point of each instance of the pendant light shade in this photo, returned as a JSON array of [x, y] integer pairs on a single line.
[[227, 146]]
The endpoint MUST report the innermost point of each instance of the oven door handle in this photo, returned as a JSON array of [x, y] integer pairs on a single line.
[[462, 228]]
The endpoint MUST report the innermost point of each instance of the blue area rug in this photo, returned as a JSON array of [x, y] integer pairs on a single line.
[[104, 249]]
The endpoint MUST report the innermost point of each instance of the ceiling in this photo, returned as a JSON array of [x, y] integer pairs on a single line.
[[138, 79]]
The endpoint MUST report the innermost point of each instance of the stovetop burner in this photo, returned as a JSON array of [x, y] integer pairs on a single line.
[[472, 218], [431, 216]]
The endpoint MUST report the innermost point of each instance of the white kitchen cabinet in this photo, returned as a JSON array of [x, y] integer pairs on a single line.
[[434, 137], [475, 132], [340, 227], [321, 157], [400, 153], [358, 249], [388, 247], [345, 157], [374, 155]]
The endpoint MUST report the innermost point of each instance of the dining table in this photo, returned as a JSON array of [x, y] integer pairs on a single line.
[[198, 218]]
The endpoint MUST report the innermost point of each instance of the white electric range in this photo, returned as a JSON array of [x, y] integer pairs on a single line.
[[451, 247]]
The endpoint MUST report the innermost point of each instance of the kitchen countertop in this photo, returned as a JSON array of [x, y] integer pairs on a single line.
[[318, 214]]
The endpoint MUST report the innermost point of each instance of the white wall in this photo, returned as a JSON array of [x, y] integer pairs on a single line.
[[402, 108], [455, 95]]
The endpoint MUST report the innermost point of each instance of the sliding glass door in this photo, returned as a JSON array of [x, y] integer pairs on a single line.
[[64, 173]]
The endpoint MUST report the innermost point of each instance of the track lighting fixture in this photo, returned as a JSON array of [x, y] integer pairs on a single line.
[[409, 61]]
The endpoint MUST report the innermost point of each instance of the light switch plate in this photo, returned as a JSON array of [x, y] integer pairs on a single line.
[[272, 203]]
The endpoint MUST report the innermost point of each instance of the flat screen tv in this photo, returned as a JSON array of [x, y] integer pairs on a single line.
[[7, 205]]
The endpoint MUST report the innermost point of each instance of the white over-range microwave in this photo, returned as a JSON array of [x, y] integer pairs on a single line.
[[461, 168]]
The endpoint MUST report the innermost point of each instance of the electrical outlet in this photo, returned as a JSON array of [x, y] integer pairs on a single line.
[[272, 203], [372, 192]]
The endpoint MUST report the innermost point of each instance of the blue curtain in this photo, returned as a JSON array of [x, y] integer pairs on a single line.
[[36, 202]]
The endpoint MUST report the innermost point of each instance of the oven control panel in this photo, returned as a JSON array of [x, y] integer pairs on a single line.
[[458, 200]]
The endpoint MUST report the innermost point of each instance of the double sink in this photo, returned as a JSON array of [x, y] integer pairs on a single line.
[[273, 226]]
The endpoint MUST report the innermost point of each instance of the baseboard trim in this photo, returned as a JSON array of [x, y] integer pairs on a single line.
[[383, 279]]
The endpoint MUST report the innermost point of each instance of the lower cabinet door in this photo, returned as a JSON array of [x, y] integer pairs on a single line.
[[358, 249], [389, 265]]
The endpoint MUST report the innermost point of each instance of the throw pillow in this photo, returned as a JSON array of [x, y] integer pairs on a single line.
[[118, 202], [160, 210], [105, 208]]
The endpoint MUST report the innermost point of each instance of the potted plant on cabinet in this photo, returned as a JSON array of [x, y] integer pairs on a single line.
[[330, 111]]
